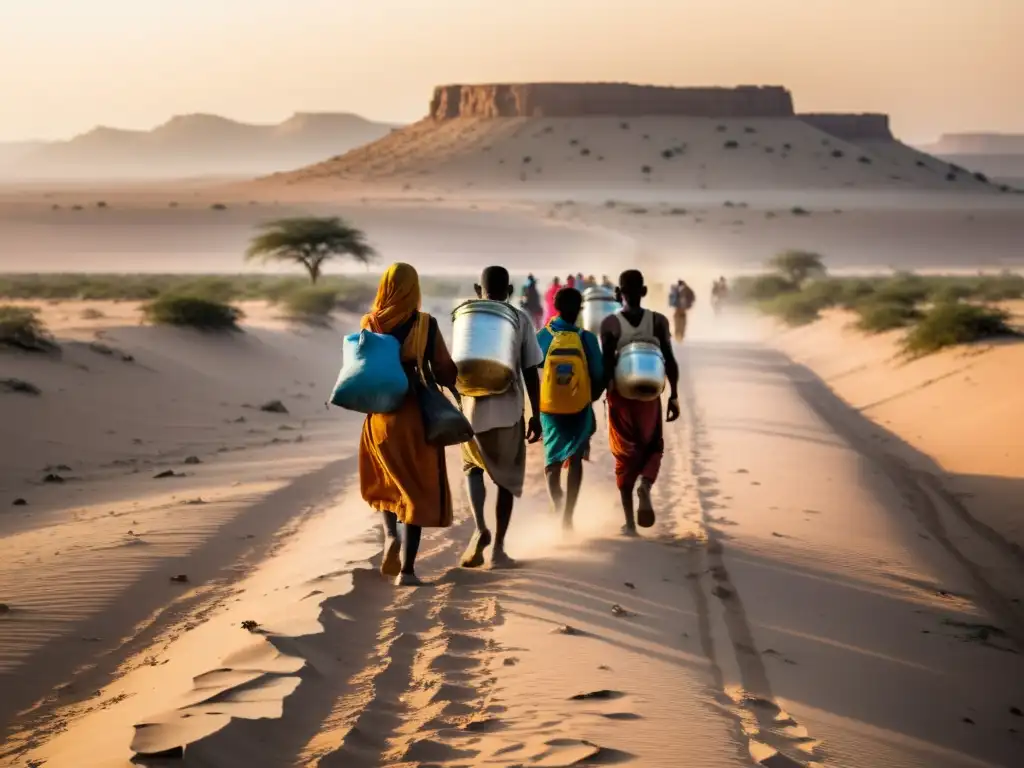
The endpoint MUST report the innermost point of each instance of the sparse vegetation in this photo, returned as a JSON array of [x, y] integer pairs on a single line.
[[91, 313], [938, 311], [310, 241], [21, 328], [192, 312], [668, 154], [878, 316], [796, 210], [950, 323], [310, 303]]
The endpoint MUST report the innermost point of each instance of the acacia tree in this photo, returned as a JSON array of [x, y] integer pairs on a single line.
[[309, 241], [797, 266]]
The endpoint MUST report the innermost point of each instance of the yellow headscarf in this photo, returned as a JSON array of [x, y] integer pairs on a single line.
[[398, 297]]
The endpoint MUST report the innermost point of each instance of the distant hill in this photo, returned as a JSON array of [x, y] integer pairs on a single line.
[[15, 151], [195, 145], [978, 144], [998, 155]]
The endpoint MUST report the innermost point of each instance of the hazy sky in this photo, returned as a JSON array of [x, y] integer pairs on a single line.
[[68, 65]]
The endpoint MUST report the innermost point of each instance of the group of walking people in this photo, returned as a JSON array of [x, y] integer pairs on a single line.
[[542, 309], [562, 370]]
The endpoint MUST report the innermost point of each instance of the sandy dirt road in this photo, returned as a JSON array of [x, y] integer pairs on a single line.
[[803, 600]]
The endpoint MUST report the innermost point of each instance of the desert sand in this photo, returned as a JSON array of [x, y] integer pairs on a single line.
[[835, 578]]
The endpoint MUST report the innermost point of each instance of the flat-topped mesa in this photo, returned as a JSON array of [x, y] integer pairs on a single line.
[[851, 127], [608, 99]]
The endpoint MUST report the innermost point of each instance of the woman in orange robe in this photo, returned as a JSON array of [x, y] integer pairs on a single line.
[[400, 474]]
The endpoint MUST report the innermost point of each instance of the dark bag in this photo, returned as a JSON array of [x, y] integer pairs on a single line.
[[443, 422]]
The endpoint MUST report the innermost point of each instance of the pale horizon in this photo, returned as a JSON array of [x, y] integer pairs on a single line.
[[934, 68]]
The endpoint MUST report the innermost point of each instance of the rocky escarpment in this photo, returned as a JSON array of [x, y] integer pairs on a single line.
[[607, 99], [851, 127]]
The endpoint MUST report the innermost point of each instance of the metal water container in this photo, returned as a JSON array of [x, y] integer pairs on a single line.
[[484, 338], [598, 303], [640, 371]]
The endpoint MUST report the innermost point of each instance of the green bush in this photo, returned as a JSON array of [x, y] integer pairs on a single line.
[[1002, 287], [192, 312], [853, 291], [877, 316], [903, 288], [21, 328], [948, 324], [794, 308], [762, 287]]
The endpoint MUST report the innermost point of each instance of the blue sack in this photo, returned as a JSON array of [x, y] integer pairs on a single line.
[[372, 379]]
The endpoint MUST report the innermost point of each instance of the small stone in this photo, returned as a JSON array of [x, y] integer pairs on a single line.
[[1016, 712], [192, 460], [274, 406], [511, 661], [722, 592], [19, 502], [566, 629], [165, 473], [968, 721], [618, 610], [180, 578], [629, 585], [53, 478], [4, 608]]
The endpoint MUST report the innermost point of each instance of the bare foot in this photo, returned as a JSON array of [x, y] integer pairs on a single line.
[[408, 580], [644, 508], [501, 561], [391, 564], [473, 557]]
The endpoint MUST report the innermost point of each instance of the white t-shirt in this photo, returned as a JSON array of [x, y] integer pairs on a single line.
[[505, 410]]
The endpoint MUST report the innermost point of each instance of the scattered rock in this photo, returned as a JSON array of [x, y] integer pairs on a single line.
[[167, 473], [511, 661], [274, 406], [53, 478], [1016, 712], [180, 578], [968, 721], [19, 386], [602, 695], [742, 472], [103, 349], [566, 629], [191, 460], [19, 502], [605, 668], [250, 625], [629, 585], [722, 592]]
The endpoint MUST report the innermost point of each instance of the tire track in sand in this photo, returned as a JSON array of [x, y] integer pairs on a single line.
[[772, 737]]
